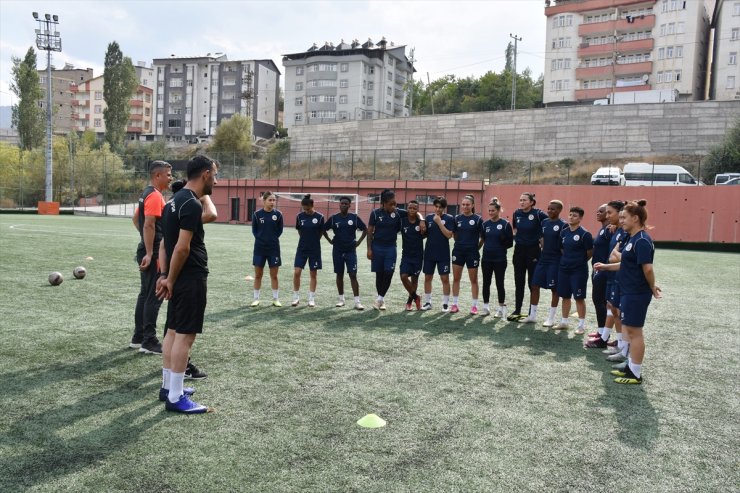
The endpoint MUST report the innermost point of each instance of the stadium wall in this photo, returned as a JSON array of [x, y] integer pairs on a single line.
[[702, 214], [544, 134]]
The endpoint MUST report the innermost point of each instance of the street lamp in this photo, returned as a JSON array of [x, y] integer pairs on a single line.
[[48, 39]]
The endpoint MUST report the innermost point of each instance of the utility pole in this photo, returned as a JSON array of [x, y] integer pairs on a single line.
[[411, 88], [513, 77], [48, 39], [431, 94]]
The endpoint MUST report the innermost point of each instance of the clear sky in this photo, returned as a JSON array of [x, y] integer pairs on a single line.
[[450, 37]]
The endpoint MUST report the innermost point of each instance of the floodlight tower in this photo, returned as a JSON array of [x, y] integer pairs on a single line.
[[48, 39]]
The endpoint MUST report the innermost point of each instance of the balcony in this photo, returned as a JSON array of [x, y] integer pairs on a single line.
[[604, 92], [398, 94], [609, 71], [640, 45], [136, 103], [134, 130], [621, 25], [136, 117], [571, 6]]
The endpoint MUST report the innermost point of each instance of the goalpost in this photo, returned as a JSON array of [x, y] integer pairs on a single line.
[[325, 203]]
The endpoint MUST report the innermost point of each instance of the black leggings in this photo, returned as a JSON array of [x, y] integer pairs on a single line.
[[383, 281], [489, 268], [525, 260], [598, 296]]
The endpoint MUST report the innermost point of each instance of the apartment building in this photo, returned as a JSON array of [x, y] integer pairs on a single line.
[[194, 94], [725, 77], [88, 108], [62, 82], [598, 47], [346, 82]]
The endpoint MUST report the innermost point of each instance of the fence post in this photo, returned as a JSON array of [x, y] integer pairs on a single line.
[[330, 165], [449, 175], [530, 172], [423, 163], [352, 166], [400, 151], [105, 186], [309, 165], [375, 157], [698, 174], [289, 164]]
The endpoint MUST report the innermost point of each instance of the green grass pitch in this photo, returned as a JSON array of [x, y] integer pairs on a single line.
[[472, 403]]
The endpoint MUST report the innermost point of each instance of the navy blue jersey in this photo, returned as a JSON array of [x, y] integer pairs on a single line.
[[576, 244], [467, 231], [412, 239], [528, 226], [267, 228], [618, 238], [497, 238], [438, 245], [310, 228], [601, 246], [184, 211], [386, 225], [344, 228], [551, 243], [638, 250]]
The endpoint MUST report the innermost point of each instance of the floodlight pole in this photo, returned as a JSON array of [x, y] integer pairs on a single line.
[[513, 76], [48, 39]]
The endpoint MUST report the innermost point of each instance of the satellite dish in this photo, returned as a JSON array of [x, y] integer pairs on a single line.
[[645, 78]]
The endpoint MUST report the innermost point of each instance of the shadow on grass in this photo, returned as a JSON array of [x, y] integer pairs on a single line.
[[637, 420], [46, 443]]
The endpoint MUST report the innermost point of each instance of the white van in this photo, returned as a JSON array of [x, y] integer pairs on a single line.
[[657, 175], [722, 178], [611, 175]]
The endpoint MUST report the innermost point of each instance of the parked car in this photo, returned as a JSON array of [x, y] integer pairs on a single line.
[[733, 181], [656, 175], [611, 175], [722, 178]]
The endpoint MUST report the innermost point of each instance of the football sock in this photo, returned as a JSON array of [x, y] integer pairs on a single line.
[[176, 380], [256, 294], [311, 295], [601, 331], [619, 339], [635, 368], [475, 302], [581, 322], [486, 306], [341, 298], [533, 311], [357, 299], [625, 348], [275, 294], [563, 321], [296, 295], [454, 300], [165, 378], [605, 334], [445, 299], [427, 297], [551, 312]]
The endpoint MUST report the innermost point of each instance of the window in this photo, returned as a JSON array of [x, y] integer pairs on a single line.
[[730, 82], [371, 70], [313, 99], [342, 115], [344, 83], [98, 108], [344, 67], [736, 9], [735, 34], [160, 83], [147, 111], [159, 124], [299, 70], [388, 105], [370, 86], [671, 28], [299, 101], [668, 76], [389, 91], [176, 82], [733, 58], [370, 101], [679, 51], [343, 99], [363, 99], [187, 111], [190, 83], [98, 95], [677, 74], [364, 84], [148, 98], [679, 28], [160, 111], [299, 117], [664, 6], [669, 52], [98, 122], [662, 29], [390, 75], [174, 123], [299, 86]]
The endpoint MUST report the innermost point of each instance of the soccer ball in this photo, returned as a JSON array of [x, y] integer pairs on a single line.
[[79, 272], [56, 278]]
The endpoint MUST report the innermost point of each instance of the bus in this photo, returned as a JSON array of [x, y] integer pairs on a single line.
[[657, 175]]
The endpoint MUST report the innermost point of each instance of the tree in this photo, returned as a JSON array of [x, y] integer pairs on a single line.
[[233, 136], [27, 116], [725, 157], [119, 84]]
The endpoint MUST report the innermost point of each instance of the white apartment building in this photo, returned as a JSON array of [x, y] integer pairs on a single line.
[[346, 82], [194, 94], [597, 47], [725, 78]]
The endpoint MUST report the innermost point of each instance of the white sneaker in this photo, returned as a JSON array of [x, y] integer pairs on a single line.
[[339, 304], [548, 323], [529, 320], [503, 312], [611, 350], [255, 303], [562, 326], [485, 312], [381, 306], [295, 302], [311, 303], [616, 358], [426, 307], [358, 306], [580, 330], [499, 312]]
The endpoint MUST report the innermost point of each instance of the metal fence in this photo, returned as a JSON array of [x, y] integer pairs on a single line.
[[112, 184]]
